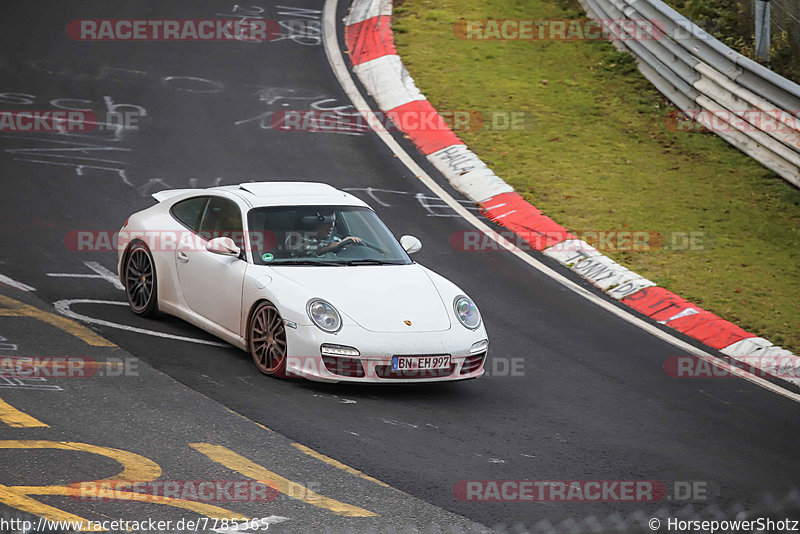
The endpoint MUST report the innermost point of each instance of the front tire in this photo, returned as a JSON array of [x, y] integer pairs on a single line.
[[267, 340], [141, 286]]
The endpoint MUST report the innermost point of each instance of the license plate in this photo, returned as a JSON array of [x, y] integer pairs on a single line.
[[414, 363]]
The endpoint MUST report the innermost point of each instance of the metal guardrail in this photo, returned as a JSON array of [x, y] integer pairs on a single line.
[[748, 105]]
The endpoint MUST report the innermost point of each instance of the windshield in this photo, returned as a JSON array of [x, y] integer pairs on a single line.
[[321, 235]]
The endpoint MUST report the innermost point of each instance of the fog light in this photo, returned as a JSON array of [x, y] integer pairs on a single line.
[[338, 350], [480, 346]]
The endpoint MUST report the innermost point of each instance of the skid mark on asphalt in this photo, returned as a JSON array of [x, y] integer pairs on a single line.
[[18, 382], [433, 205]]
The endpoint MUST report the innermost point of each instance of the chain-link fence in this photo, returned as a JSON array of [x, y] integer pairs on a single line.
[[786, 29], [733, 23]]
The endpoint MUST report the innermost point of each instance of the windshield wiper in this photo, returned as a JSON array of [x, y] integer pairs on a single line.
[[306, 262], [370, 261]]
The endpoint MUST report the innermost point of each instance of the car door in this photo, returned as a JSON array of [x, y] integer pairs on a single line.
[[211, 284]]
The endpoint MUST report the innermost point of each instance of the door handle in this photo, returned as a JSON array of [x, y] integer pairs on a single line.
[[183, 257]]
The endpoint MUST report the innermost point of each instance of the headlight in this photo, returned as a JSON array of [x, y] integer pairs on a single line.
[[467, 312], [324, 315]]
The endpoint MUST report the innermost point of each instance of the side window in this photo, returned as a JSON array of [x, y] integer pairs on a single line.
[[222, 218], [188, 212]]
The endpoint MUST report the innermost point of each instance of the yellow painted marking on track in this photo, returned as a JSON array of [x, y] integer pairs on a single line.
[[205, 510], [135, 467], [19, 500], [16, 418], [15, 308], [337, 464], [237, 414], [262, 426], [240, 464]]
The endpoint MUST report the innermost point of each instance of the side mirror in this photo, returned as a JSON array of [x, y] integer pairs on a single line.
[[410, 244], [223, 246]]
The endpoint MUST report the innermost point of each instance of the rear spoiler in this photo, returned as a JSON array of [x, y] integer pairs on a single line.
[[161, 196]]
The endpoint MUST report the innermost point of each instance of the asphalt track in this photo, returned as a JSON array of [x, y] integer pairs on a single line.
[[589, 400]]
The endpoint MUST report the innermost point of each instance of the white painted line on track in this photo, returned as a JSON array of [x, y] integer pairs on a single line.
[[100, 272], [73, 275], [105, 274], [342, 73], [63, 307], [13, 283]]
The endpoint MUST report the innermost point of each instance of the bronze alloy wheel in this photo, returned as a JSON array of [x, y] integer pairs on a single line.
[[267, 340], [140, 281]]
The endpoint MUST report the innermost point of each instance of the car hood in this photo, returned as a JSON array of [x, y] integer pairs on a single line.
[[380, 298]]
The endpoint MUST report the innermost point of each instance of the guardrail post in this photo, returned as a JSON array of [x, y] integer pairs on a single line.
[[762, 30]]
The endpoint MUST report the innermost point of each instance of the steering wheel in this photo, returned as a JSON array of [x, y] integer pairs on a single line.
[[348, 242], [345, 245]]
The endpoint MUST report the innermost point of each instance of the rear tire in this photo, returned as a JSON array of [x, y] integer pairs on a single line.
[[266, 340], [141, 286]]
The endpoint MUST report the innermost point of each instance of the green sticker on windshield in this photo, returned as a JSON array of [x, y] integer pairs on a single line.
[[267, 256]]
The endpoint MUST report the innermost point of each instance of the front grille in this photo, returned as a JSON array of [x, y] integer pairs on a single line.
[[344, 366], [386, 371], [472, 363]]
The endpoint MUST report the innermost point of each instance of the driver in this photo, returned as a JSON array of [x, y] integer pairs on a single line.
[[322, 240]]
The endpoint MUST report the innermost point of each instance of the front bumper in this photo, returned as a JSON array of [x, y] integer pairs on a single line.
[[377, 349]]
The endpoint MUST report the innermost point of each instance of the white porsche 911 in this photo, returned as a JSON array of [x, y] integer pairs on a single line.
[[306, 278]]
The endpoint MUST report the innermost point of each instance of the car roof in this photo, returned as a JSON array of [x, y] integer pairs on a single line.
[[272, 189], [258, 194], [293, 193]]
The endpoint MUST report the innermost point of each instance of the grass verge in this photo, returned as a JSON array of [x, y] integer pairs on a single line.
[[595, 154]]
